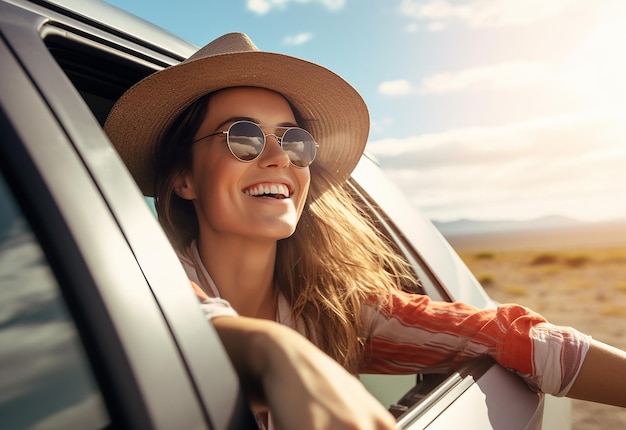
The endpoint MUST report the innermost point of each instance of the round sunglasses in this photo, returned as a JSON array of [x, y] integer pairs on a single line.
[[246, 141]]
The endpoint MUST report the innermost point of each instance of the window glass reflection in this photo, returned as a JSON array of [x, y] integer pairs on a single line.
[[45, 380]]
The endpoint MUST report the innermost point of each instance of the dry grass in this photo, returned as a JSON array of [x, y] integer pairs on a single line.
[[515, 290], [580, 287], [614, 311], [620, 287]]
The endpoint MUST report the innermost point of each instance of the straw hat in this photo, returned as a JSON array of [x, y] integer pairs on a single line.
[[334, 112]]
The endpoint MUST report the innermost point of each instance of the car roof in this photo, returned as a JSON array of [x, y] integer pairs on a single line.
[[117, 21]]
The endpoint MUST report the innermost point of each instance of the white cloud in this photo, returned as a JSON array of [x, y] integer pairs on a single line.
[[398, 87], [411, 28], [334, 4], [298, 39], [261, 7], [550, 138], [483, 13], [504, 76], [381, 124], [569, 165], [498, 77], [437, 26]]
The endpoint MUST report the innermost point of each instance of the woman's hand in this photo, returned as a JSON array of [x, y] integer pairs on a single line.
[[302, 387]]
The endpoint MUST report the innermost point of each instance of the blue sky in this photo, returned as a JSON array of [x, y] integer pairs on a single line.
[[483, 109]]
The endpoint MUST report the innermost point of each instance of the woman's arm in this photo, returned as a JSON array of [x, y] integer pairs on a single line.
[[602, 377], [302, 386]]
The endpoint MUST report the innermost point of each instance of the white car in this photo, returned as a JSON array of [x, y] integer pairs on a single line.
[[95, 329]]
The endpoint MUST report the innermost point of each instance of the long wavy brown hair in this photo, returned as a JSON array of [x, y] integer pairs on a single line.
[[334, 263]]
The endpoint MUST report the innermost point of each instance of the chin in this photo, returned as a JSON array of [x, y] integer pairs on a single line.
[[282, 233], [286, 234]]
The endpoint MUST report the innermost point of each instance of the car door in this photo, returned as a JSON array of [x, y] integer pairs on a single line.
[[148, 357], [481, 395]]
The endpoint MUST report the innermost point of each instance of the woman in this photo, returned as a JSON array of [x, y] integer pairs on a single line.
[[247, 154]]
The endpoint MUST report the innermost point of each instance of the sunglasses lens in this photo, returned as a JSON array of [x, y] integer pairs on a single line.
[[300, 146], [245, 140]]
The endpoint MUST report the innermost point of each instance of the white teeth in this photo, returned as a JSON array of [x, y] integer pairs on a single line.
[[263, 189]]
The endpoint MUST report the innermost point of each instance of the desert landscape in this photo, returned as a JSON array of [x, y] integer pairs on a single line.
[[575, 277]]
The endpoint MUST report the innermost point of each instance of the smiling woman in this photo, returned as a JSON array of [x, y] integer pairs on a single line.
[[312, 261], [230, 240]]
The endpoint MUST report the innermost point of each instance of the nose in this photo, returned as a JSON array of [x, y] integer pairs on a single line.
[[273, 154]]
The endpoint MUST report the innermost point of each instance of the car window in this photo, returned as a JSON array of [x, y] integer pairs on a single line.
[[46, 380], [427, 282], [100, 73]]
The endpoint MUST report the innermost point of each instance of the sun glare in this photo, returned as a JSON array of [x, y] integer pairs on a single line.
[[598, 66]]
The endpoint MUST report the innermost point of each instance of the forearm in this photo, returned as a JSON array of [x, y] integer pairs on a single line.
[[602, 377], [303, 387], [240, 337]]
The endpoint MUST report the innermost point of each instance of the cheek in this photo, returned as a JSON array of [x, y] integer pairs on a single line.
[[213, 203], [210, 168], [217, 182], [210, 182], [203, 183]]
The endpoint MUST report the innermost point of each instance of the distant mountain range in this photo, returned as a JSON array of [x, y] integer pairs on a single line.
[[463, 227]]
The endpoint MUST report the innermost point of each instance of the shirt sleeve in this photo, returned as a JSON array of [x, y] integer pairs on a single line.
[[214, 307], [414, 334]]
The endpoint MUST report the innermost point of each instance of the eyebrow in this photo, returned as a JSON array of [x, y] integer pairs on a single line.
[[228, 122]]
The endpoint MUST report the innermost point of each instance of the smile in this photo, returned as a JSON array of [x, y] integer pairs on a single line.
[[276, 191]]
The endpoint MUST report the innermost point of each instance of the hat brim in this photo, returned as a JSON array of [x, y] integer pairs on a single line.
[[332, 109]]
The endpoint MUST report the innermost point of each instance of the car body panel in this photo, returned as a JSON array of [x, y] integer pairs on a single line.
[[115, 22], [497, 400], [104, 250], [141, 230]]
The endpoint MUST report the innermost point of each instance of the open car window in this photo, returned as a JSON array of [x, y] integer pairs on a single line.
[[101, 73]]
